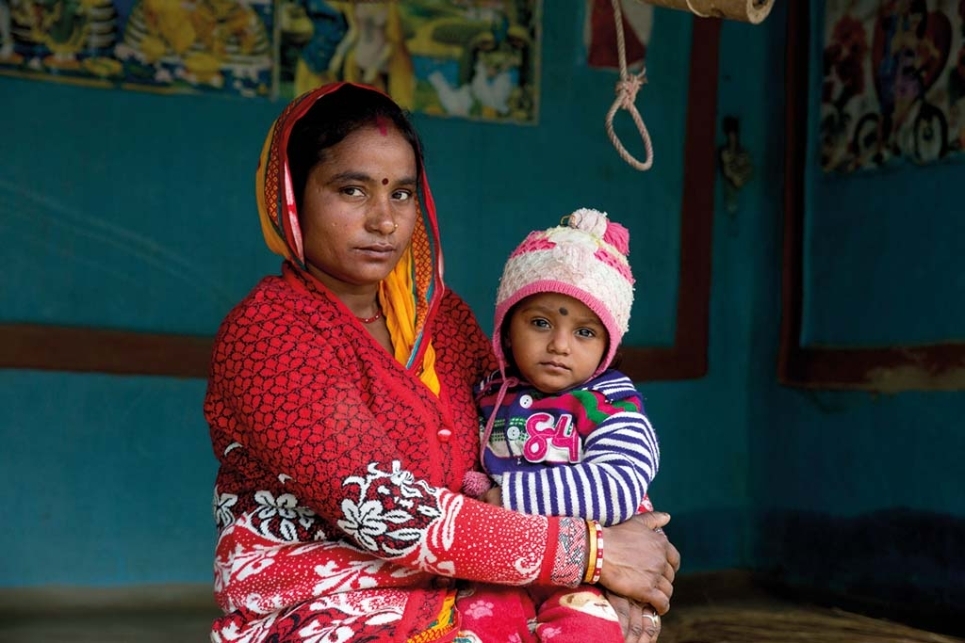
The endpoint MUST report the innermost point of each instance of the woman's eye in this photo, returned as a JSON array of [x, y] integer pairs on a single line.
[[352, 191], [403, 195]]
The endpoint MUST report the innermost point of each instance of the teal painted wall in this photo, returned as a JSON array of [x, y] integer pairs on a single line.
[[858, 497], [107, 480]]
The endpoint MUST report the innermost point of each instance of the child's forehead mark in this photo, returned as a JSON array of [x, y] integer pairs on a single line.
[[385, 181], [564, 311], [381, 125]]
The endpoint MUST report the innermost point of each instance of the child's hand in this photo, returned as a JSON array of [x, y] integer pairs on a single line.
[[493, 497]]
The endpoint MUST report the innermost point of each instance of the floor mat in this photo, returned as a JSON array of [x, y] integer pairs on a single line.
[[780, 624]]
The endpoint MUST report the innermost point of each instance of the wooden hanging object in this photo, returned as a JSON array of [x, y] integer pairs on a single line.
[[752, 11]]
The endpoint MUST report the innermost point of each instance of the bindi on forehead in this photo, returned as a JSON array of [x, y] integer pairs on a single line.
[[385, 181], [382, 126], [564, 311]]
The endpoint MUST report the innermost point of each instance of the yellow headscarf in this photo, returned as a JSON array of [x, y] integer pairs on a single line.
[[398, 305]]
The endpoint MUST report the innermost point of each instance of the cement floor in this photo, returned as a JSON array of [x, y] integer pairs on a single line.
[[184, 615]]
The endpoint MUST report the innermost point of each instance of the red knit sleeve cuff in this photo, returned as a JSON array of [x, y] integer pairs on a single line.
[[567, 564]]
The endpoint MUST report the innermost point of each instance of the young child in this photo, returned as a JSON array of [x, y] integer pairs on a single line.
[[562, 432]]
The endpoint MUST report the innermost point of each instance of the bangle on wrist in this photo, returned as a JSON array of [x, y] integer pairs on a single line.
[[594, 559], [599, 553]]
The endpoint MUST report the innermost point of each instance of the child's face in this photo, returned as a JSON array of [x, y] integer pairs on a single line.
[[556, 341]]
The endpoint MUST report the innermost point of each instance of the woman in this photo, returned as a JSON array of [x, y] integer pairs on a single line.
[[341, 412]]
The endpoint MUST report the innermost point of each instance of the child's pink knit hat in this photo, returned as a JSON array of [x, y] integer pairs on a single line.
[[585, 258]]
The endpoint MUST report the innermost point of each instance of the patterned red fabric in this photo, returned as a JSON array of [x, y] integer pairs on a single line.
[[495, 613], [335, 497]]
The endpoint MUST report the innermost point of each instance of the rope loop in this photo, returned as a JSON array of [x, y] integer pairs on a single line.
[[626, 90]]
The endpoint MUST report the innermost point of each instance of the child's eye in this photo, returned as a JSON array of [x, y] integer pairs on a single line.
[[586, 333], [539, 322]]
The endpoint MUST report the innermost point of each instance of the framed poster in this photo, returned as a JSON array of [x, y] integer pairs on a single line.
[[476, 59], [209, 46], [893, 84]]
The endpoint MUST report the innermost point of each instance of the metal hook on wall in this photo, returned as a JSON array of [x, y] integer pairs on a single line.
[[736, 166]]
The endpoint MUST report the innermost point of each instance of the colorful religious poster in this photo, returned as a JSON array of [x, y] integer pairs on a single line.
[[600, 34], [160, 45], [474, 59], [893, 88], [462, 58]]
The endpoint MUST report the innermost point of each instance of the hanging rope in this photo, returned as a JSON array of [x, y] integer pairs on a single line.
[[627, 88]]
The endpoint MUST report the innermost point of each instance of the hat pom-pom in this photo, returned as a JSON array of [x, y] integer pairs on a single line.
[[618, 237], [475, 484], [588, 220]]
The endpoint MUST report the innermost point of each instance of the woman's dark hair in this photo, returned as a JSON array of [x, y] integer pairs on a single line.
[[331, 119]]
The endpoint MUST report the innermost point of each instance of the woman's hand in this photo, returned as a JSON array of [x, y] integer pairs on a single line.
[[639, 562], [640, 623]]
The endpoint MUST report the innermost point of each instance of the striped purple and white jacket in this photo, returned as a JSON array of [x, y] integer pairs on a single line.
[[589, 452]]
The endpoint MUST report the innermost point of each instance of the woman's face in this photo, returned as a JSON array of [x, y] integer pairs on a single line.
[[557, 342], [359, 209]]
